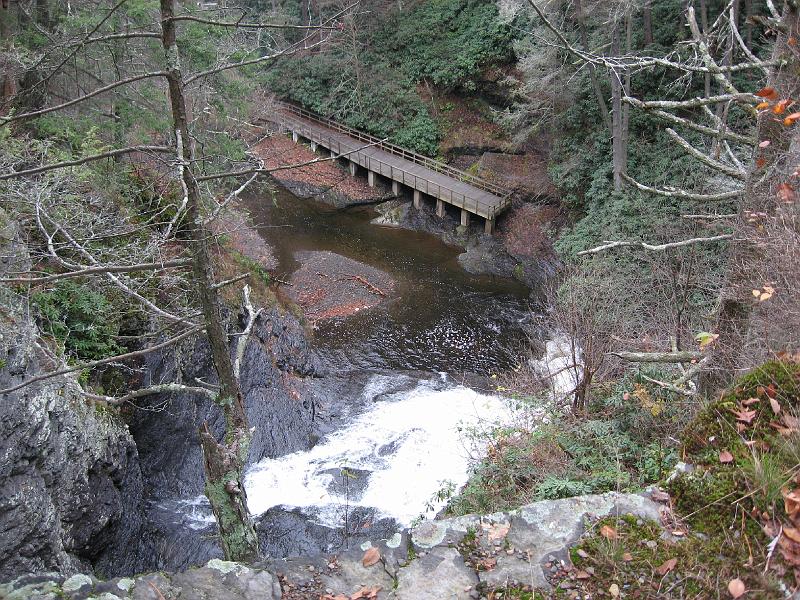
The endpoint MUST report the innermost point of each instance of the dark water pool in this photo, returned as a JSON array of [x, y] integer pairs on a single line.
[[441, 318]]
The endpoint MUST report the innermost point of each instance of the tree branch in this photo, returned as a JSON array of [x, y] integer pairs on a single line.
[[96, 92], [162, 388], [84, 160], [153, 266], [683, 356], [655, 247], [104, 361], [734, 172], [671, 192]]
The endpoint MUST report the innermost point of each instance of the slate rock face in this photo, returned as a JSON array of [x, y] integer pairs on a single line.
[[70, 484]]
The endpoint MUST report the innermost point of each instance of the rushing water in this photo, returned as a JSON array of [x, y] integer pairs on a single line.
[[407, 418]]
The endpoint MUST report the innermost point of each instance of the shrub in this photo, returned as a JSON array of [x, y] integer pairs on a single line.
[[78, 318]]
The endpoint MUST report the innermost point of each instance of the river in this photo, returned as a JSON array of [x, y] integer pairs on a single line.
[[410, 380]]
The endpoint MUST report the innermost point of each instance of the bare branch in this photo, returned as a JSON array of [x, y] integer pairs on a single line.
[[243, 25], [724, 133], [656, 247], [78, 100], [163, 388], [84, 160], [671, 192], [260, 170], [241, 345], [742, 98], [735, 172], [683, 356], [97, 363], [153, 266]]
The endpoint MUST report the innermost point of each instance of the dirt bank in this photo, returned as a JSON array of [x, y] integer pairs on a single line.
[[329, 286], [327, 181]]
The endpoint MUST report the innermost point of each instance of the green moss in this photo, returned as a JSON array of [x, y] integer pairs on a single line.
[[715, 428], [704, 563]]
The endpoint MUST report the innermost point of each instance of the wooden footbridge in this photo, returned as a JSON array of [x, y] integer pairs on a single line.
[[423, 175]]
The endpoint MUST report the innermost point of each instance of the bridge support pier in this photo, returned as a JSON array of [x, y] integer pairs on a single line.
[[313, 146], [417, 199], [371, 178], [295, 137], [464, 218], [395, 188], [353, 168], [440, 208], [489, 229]]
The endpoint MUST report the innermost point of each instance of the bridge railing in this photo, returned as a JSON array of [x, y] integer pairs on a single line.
[[414, 157]]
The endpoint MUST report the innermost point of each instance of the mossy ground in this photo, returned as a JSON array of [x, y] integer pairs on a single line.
[[725, 513]]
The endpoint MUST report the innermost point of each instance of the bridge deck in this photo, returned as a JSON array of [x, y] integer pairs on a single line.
[[420, 173]]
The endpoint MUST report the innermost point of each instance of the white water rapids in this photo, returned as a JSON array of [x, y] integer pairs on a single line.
[[412, 443]]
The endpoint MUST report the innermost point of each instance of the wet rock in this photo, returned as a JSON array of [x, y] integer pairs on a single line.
[[69, 479], [290, 532], [348, 482], [275, 371]]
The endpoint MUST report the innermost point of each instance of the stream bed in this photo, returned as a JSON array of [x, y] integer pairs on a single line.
[[408, 386]]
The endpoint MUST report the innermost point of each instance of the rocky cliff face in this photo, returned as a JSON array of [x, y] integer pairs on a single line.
[[70, 484], [275, 378]]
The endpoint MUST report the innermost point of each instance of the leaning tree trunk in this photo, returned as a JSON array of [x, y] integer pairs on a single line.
[[772, 170], [224, 461]]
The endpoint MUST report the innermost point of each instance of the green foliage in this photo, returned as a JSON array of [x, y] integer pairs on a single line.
[[375, 88], [624, 446], [80, 319], [468, 37]]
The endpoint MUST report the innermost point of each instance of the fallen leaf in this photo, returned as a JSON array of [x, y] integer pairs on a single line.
[[792, 41], [764, 144], [776, 406], [745, 416], [762, 105], [582, 575], [791, 502], [786, 192], [487, 564], [767, 92], [667, 566], [498, 532], [781, 106], [751, 401], [627, 557], [770, 390], [371, 556], [613, 589], [725, 457], [705, 339], [792, 533], [608, 532], [582, 553], [736, 588]]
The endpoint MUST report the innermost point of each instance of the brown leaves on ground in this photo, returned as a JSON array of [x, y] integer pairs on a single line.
[[608, 532], [667, 566], [725, 457], [371, 557], [498, 532], [365, 593]]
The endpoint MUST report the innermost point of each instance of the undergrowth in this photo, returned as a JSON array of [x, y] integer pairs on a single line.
[[623, 444]]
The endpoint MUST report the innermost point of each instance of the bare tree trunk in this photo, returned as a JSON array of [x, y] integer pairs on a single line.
[[224, 462], [598, 92], [617, 121], [647, 23], [704, 25], [761, 196]]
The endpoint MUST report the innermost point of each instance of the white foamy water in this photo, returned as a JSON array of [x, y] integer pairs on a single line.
[[561, 366], [412, 442]]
